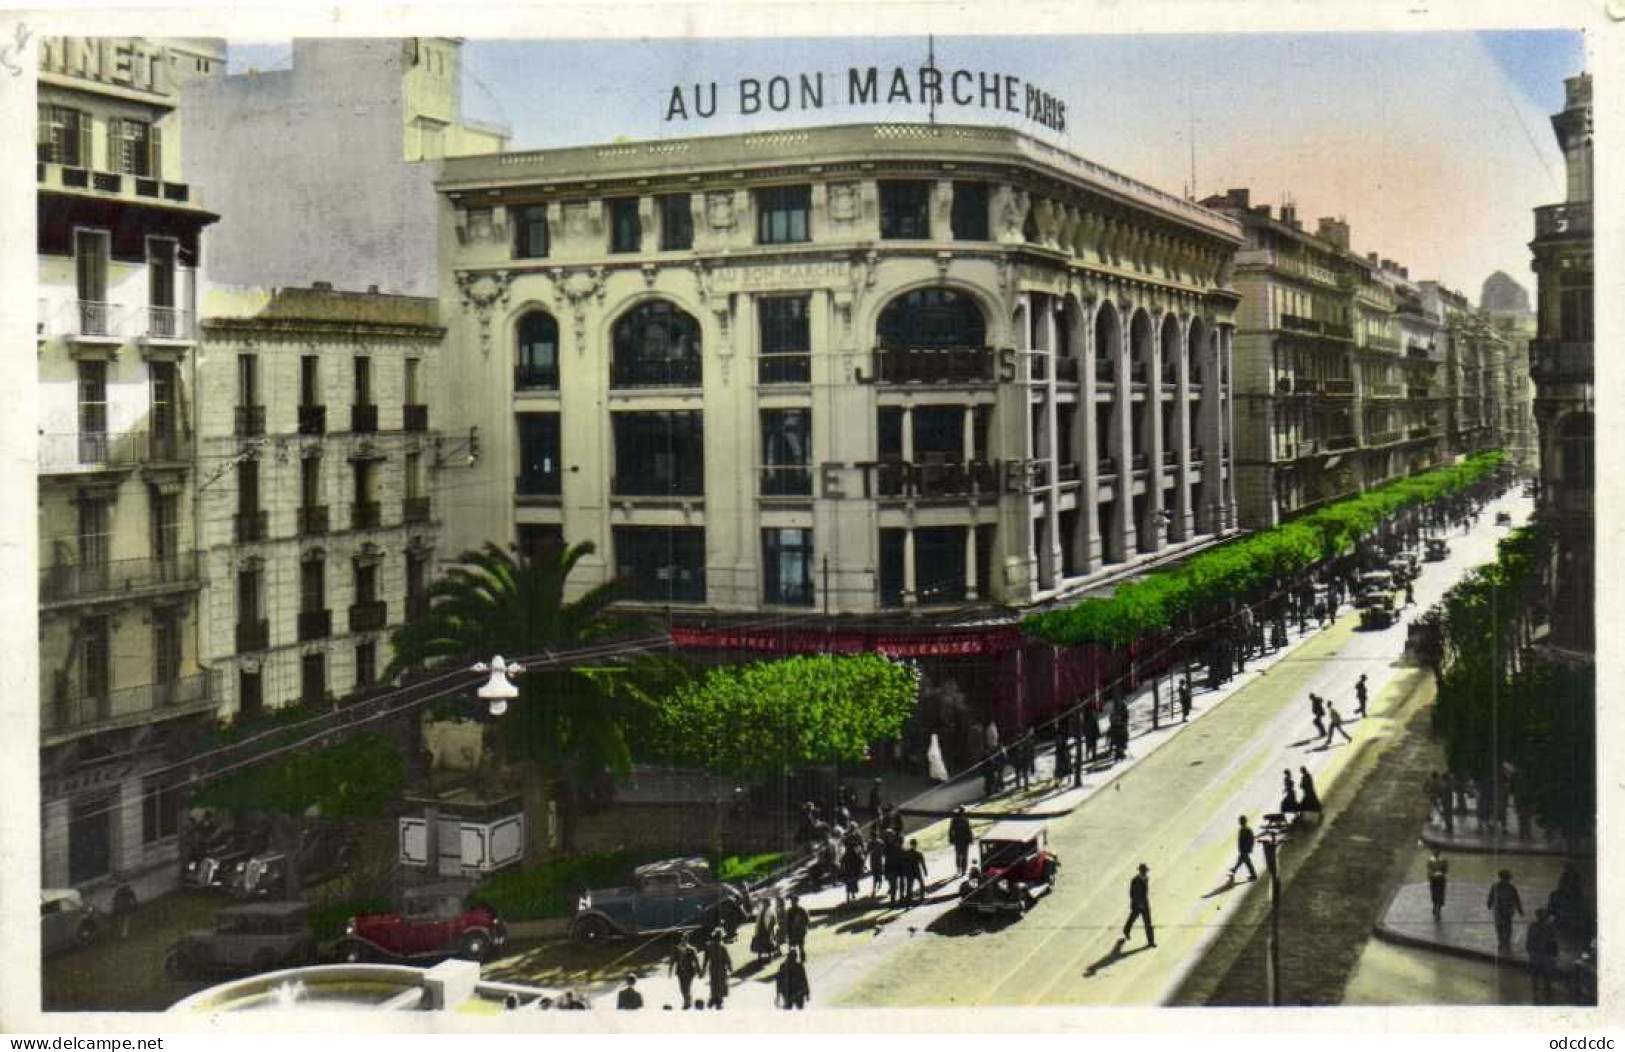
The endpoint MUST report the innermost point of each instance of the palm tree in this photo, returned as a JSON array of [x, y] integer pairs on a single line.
[[571, 719]]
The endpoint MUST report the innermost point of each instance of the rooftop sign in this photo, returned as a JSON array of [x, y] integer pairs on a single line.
[[123, 62], [871, 86]]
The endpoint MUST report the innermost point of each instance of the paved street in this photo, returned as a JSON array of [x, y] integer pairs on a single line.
[[1174, 807]]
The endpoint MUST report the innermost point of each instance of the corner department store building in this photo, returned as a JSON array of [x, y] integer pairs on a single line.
[[874, 386]]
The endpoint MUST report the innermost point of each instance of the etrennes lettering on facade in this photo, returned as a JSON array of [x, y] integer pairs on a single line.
[[873, 86]]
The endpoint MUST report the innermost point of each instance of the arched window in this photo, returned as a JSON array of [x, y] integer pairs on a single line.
[[1575, 445], [1105, 344], [1170, 349], [538, 364], [931, 319], [656, 345]]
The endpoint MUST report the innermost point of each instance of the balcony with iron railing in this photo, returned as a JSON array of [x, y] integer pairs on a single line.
[[314, 624], [1106, 466], [251, 526], [90, 451], [688, 485], [366, 515], [784, 368], [1342, 332], [1386, 390], [168, 325], [655, 372], [119, 578], [95, 321], [1297, 323], [910, 365], [535, 378], [1561, 361], [253, 635], [1415, 392], [135, 189], [1570, 219], [1140, 461], [1068, 370], [415, 509], [313, 520], [370, 616], [1341, 442], [1419, 431], [364, 419], [1070, 473], [1381, 343], [1337, 387], [793, 480], [1386, 438], [414, 417], [71, 713], [313, 420], [249, 421]]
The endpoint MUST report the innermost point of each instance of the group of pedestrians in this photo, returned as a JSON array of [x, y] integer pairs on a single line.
[[1327, 720], [1490, 799], [713, 963]]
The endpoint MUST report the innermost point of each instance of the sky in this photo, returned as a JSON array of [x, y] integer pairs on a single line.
[[1434, 146]]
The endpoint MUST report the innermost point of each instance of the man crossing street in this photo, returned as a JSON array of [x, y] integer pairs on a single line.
[[1139, 904], [1244, 851], [961, 837], [1360, 696]]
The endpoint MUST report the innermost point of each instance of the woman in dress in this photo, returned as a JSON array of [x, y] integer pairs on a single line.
[[764, 941], [1308, 799], [852, 870], [1289, 794]]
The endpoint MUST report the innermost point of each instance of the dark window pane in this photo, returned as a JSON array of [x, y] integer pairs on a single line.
[[676, 223], [781, 214], [656, 345], [890, 433], [661, 564], [539, 454], [905, 210], [931, 318], [659, 454], [970, 212], [939, 433], [538, 364], [939, 564], [891, 567], [625, 226], [786, 453], [786, 340], [787, 559], [530, 232]]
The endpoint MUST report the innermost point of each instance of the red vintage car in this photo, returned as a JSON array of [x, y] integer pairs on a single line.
[[1015, 869], [433, 922]]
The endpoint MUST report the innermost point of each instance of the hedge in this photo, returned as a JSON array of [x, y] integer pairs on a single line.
[[1152, 603]]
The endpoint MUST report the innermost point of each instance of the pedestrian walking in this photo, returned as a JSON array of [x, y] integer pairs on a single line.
[[764, 941], [1091, 730], [961, 837], [1438, 874], [718, 967], [1063, 753], [1317, 709], [1119, 728], [1184, 700], [1244, 851], [1029, 756], [790, 985], [685, 964], [1018, 760], [914, 872], [1308, 799], [876, 800], [852, 870], [1289, 794], [1566, 904], [796, 923], [1540, 944], [1334, 725], [1360, 696], [1139, 904], [1504, 903], [877, 863], [1410, 594], [629, 998]]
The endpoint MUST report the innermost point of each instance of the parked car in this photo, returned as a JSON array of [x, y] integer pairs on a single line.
[[1437, 550], [1015, 868], [1379, 609], [257, 937], [325, 851], [217, 855], [434, 921], [66, 920], [675, 895]]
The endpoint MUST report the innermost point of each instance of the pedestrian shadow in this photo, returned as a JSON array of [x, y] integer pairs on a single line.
[[757, 964], [1229, 882], [1114, 955], [1302, 742]]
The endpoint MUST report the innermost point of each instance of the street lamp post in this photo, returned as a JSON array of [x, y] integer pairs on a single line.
[[1271, 836], [496, 692]]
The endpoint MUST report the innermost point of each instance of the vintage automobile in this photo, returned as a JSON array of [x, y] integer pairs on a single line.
[[66, 920], [324, 852], [256, 937], [1405, 567], [1379, 609], [1374, 581], [1503, 518], [1437, 550], [218, 854], [434, 921], [675, 895], [1014, 870]]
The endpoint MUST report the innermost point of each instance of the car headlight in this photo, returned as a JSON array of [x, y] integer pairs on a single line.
[[191, 867], [349, 926]]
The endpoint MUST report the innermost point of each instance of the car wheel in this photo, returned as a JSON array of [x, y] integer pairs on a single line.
[[85, 934], [264, 960], [591, 931], [354, 953], [474, 947], [1052, 872]]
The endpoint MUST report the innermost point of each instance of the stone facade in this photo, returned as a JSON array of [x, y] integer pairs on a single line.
[[843, 370], [319, 438], [121, 672]]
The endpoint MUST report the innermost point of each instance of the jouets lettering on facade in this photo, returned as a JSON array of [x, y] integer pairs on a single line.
[[873, 86]]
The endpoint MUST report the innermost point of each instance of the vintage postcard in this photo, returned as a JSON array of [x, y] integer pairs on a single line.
[[775, 518]]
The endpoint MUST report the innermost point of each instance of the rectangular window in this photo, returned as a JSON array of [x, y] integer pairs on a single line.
[[95, 537], [530, 232], [248, 488], [889, 438], [539, 455], [248, 380], [970, 212], [313, 678], [625, 225], [92, 411], [250, 694], [659, 454], [310, 385], [132, 147], [905, 210], [161, 263], [412, 476], [787, 562], [413, 367], [1576, 321], [538, 540], [366, 582], [781, 214], [162, 801], [676, 222], [310, 482], [64, 136], [248, 596], [939, 433], [90, 251], [786, 453], [662, 564], [363, 380], [366, 665], [892, 549], [165, 388], [90, 838], [939, 564], [166, 526], [786, 340], [312, 586], [95, 666], [166, 646]]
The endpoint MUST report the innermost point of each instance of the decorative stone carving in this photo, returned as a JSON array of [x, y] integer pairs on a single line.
[[844, 203], [649, 273], [719, 210], [574, 288], [1048, 222], [942, 209], [944, 260], [1010, 206], [480, 292], [1071, 223]]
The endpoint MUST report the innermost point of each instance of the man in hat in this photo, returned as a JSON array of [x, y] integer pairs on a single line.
[[961, 837], [1139, 904], [629, 996], [796, 923], [718, 968], [685, 964]]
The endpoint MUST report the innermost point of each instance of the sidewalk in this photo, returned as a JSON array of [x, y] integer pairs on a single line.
[[1474, 838], [1466, 927]]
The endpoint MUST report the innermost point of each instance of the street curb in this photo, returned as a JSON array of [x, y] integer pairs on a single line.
[[1381, 930], [1516, 847]]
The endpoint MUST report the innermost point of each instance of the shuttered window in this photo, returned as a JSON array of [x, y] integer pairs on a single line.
[[64, 136], [133, 148]]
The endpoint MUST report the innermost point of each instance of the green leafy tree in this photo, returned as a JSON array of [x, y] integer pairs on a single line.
[[354, 778], [570, 721]]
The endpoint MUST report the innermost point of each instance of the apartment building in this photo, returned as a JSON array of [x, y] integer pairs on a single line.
[[122, 673]]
